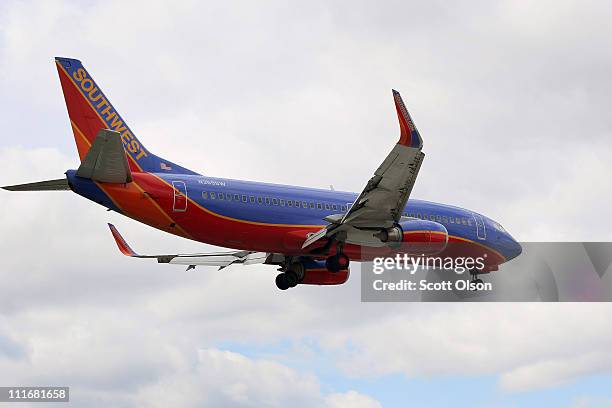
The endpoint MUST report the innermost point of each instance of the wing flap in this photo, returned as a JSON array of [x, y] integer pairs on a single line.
[[220, 259]]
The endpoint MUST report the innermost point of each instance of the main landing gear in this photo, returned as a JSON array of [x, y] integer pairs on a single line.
[[337, 262], [293, 274], [286, 280]]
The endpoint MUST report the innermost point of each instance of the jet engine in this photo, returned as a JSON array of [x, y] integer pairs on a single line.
[[416, 236]]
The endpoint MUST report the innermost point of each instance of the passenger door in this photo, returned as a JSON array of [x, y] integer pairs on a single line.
[[481, 232], [179, 203]]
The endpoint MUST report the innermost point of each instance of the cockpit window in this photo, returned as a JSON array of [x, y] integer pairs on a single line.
[[498, 227]]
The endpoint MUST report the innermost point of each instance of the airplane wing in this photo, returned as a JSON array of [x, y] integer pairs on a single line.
[[384, 197], [220, 259]]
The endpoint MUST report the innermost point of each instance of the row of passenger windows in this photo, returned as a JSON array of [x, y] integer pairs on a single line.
[[250, 199], [211, 195], [440, 218]]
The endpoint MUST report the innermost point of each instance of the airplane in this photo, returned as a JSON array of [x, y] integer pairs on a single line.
[[310, 234]]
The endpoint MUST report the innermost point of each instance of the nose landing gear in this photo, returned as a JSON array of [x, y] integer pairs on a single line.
[[475, 279]]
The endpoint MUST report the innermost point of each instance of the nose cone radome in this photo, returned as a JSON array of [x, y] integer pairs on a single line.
[[517, 249], [509, 247]]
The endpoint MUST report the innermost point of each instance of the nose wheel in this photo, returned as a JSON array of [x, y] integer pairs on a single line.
[[475, 279]]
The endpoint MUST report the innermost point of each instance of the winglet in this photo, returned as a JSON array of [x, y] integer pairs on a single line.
[[123, 246], [409, 135]]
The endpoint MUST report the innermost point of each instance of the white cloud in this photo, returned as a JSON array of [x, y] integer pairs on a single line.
[[351, 399], [531, 345], [555, 372], [228, 379], [223, 378]]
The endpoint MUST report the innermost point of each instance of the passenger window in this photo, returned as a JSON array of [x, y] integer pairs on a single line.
[[335, 207], [304, 204], [311, 205], [464, 221], [327, 207], [205, 195], [212, 195], [457, 220], [432, 217], [252, 199], [343, 208], [236, 197], [451, 220], [438, 218], [275, 201], [319, 206], [469, 222], [244, 198], [259, 200], [445, 219], [267, 200], [289, 203], [221, 196], [419, 215], [282, 202]]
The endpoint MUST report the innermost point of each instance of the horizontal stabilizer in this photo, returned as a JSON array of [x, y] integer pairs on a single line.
[[48, 185], [106, 160]]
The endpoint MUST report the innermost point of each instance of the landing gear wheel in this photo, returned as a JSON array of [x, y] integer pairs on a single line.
[[343, 261], [337, 262], [281, 282], [475, 279], [291, 279], [330, 264]]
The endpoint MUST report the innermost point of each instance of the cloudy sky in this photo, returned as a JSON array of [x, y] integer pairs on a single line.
[[512, 100]]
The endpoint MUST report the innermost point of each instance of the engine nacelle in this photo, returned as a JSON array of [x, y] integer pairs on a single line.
[[315, 273], [416, 236]]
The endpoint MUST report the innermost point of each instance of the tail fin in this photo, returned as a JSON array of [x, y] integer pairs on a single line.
[[90, 111]]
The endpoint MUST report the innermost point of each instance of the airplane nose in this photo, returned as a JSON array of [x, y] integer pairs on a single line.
[[515, 249], [509, 247]]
